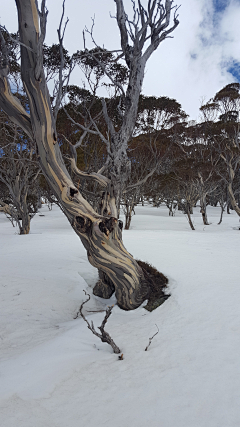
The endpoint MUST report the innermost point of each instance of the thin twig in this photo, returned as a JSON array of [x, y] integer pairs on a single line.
[[104, 336], [150, 339]]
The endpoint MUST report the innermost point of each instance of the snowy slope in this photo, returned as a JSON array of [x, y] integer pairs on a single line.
[[55, 373]]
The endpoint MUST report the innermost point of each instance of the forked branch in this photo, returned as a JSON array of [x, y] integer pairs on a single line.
[[104, 336]]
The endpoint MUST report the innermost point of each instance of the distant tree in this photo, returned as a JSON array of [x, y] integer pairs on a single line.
[[221, 116], [19, 171]]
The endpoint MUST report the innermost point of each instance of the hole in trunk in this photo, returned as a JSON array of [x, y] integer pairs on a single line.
[[73, 191]]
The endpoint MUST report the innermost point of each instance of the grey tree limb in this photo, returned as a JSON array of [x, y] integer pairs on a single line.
[[104, 336]]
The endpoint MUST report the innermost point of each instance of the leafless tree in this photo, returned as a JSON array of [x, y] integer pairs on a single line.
[[19, 172], [221, 115]]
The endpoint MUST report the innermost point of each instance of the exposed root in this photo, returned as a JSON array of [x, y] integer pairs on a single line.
[[157, 283]]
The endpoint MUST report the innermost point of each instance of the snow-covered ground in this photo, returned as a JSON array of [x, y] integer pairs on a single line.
[[55, 373]]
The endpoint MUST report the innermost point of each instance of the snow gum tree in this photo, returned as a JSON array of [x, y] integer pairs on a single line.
[[221, 116], [100, 235]]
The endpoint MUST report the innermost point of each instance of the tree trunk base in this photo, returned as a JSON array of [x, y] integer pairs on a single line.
[[104, 287], [157, 282]]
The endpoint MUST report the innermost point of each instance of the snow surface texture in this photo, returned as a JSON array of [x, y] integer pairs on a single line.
[[55, 373]]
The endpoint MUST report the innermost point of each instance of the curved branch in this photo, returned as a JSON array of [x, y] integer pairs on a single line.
[[12, 106], [84, 128], [142, 181], [121, 20], [100, 179]]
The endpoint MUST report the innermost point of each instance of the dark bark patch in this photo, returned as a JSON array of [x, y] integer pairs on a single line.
[[73, 191], [104, 287], [83, 224], [107, 226], [120, 224], [157, 283]]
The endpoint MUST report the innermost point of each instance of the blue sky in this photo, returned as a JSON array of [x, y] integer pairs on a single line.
[[225, 16], [220, 5], [203, 56], [234, 69]]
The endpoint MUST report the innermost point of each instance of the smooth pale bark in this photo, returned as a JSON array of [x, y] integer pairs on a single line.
[[101, 237]]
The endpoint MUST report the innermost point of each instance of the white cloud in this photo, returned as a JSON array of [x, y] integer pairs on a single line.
[[189, 67]]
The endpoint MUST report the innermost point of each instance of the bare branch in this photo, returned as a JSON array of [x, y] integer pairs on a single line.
[[39, 56], [12, 106], [89, 130], [150, 339], [142, 181], [15, 41], [104, 336], [95, 176], [121, 20], [104, 68], [62, 63]]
